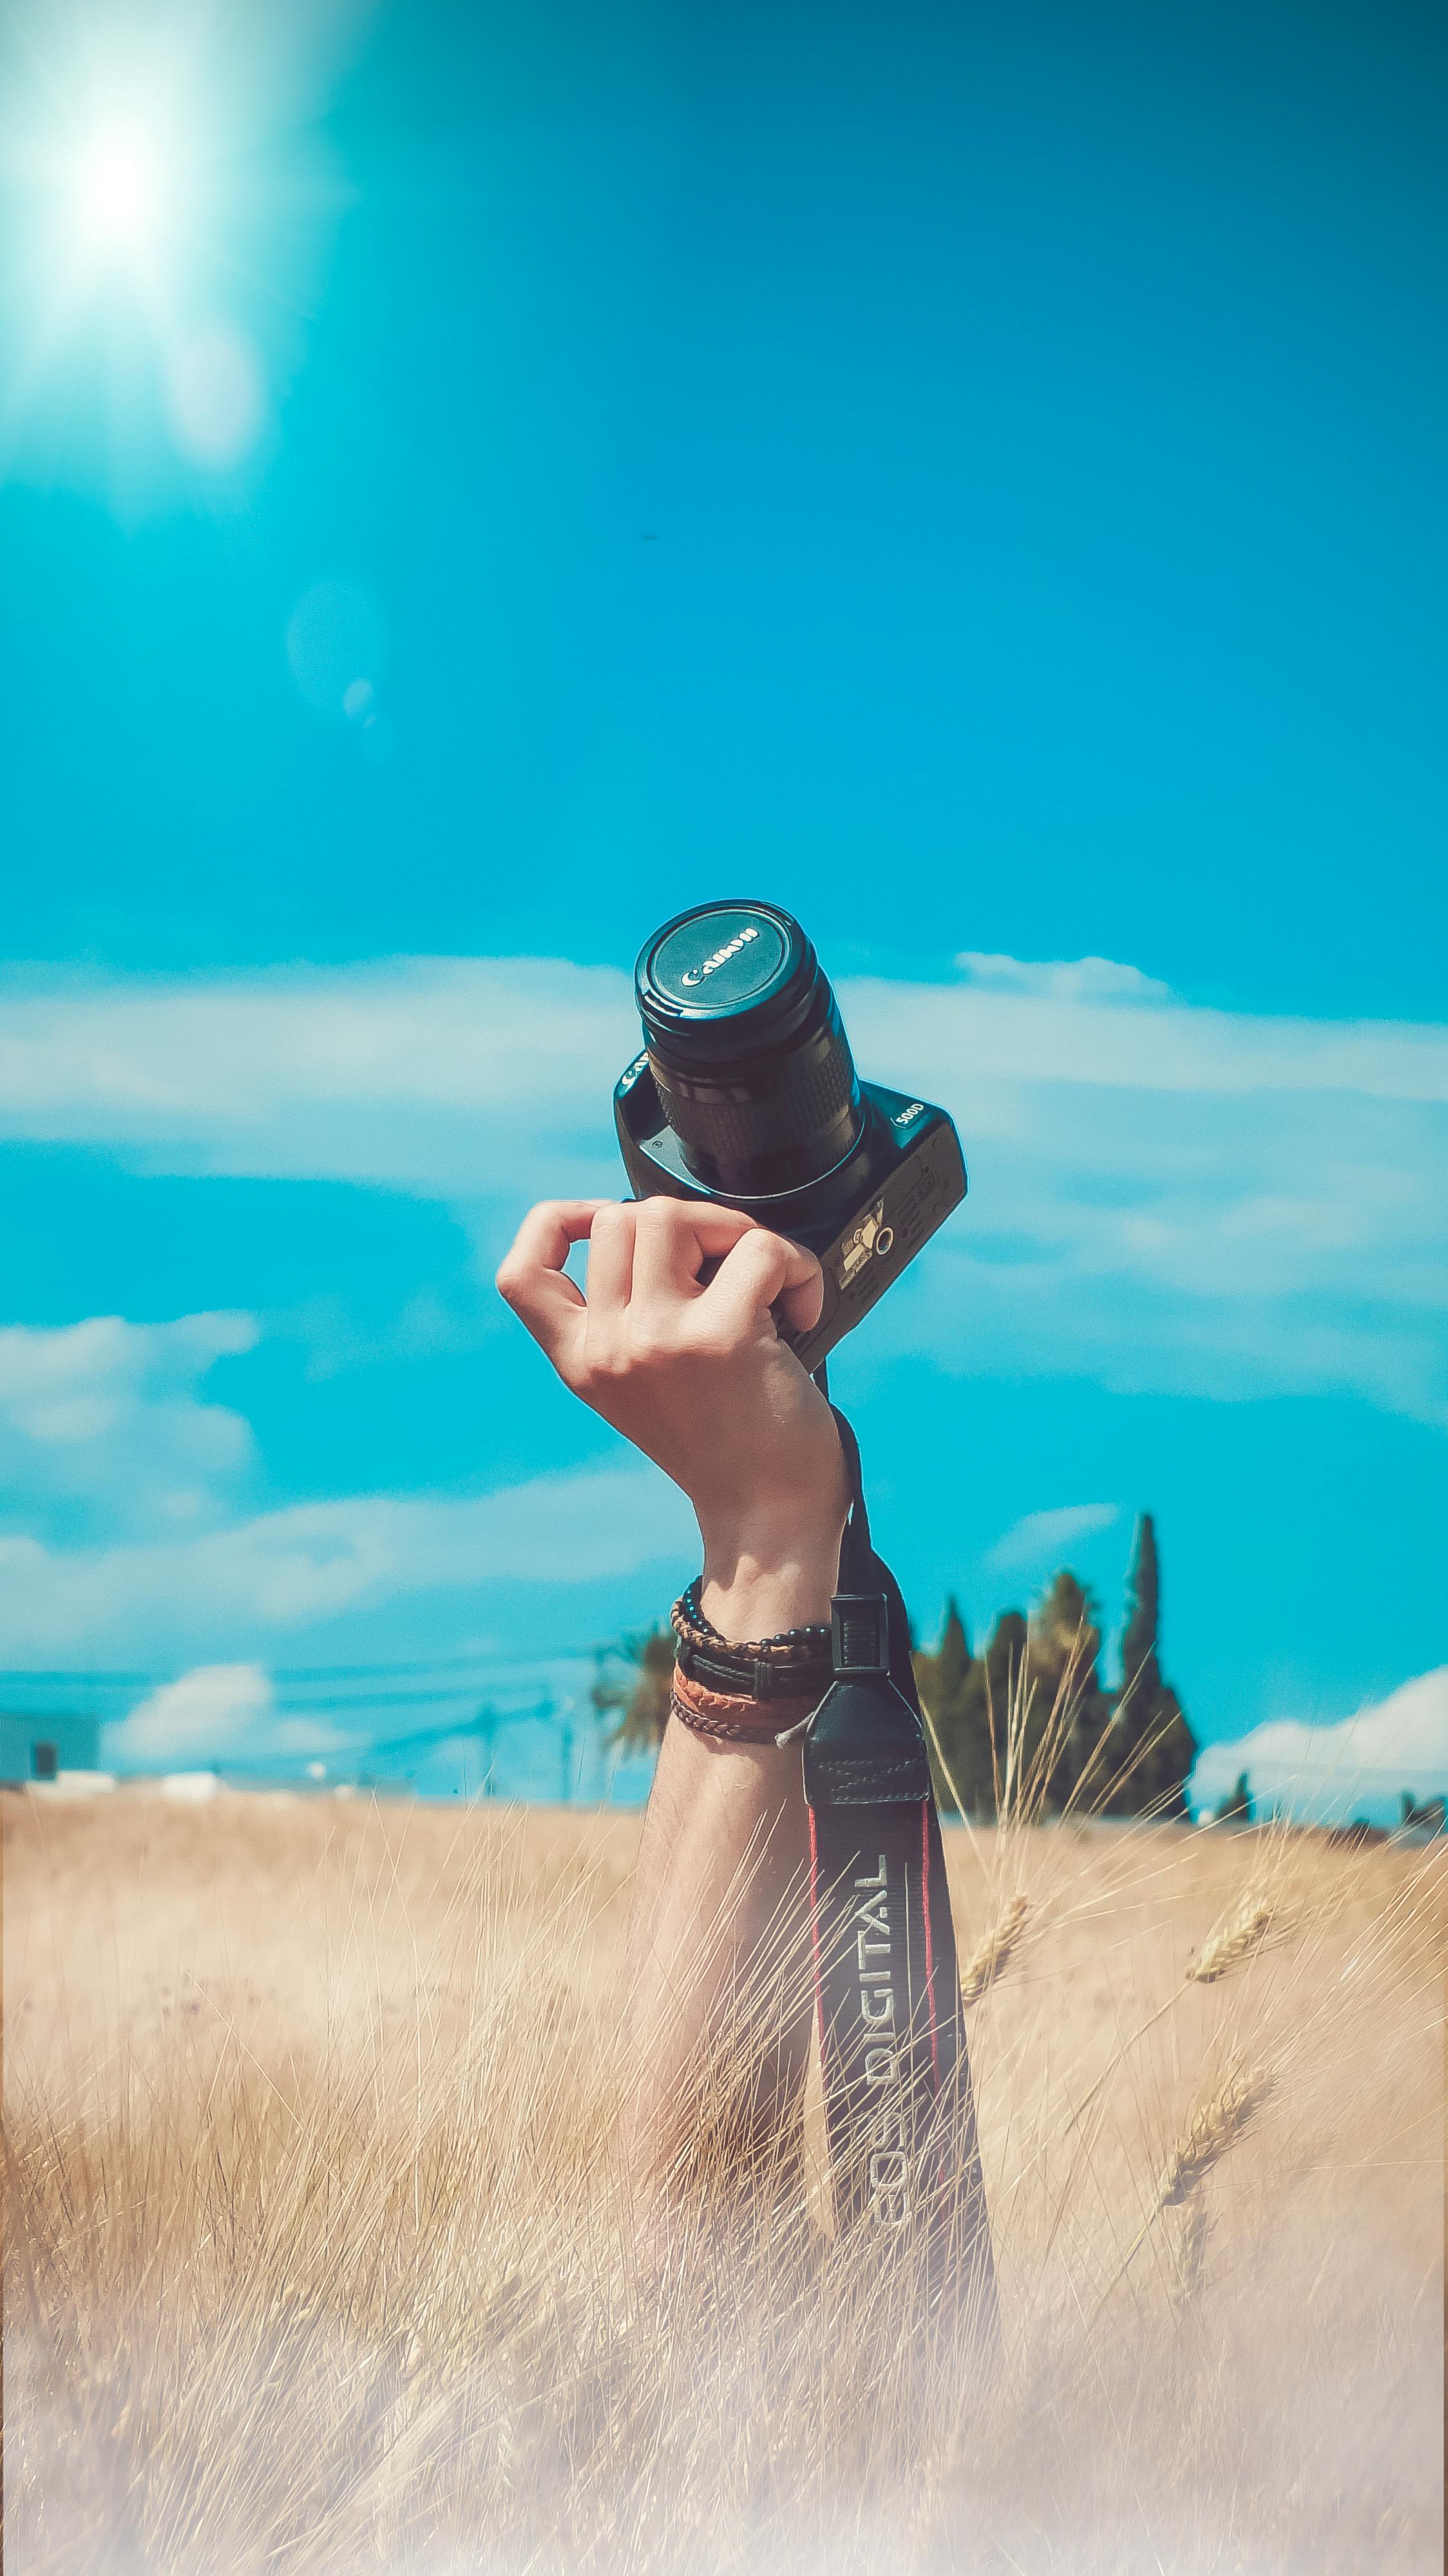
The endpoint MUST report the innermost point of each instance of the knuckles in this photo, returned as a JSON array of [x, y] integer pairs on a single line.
[[647, 1351], [660, 1215]]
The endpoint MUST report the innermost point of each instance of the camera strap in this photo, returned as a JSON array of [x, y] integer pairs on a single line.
[[899, 2110]]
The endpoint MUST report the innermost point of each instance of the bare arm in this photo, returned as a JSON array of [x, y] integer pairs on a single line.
[[697, 1377]]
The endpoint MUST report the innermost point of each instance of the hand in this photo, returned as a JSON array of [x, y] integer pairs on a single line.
[[698, 1378]]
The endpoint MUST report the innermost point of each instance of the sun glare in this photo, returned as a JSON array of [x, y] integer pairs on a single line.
[[169, 223], [118, 190]]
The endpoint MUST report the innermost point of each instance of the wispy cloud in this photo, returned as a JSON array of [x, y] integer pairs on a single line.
[[419, 1073], [1324, 1773], [1162, 1197], [1078, 979], [286, 1570], [104, 1419], [1041, 1536]]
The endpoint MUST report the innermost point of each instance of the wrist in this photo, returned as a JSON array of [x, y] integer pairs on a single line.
[[758, 1582]]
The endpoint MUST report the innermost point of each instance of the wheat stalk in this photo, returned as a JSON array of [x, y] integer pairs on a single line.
[[1190, 2253], [990, 1954], [1205, 2140], [1215, 2128], [1233, 1941]]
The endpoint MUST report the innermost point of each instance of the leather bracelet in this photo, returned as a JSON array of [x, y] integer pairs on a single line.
[[792, 1665], [735, 1716]]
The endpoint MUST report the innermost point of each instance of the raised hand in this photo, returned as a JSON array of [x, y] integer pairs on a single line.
[[692, 1370]]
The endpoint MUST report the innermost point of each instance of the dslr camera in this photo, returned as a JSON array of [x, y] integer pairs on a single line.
[[746, 1094]]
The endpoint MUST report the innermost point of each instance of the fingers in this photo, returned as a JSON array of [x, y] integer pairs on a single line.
[[673, 1238], [643, 1276], [645, 1296], [531, 1278], [761, 1271], [610, 1260]]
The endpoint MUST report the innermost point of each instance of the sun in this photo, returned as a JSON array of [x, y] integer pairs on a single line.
[[166, 206], [120, 187]]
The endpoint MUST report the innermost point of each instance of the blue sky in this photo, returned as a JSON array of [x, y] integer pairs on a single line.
[[975, 477]]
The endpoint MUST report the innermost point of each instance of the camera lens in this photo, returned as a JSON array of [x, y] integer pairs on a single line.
[[752, 1065]]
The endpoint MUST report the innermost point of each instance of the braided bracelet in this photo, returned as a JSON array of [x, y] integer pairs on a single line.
[[736, 1717]]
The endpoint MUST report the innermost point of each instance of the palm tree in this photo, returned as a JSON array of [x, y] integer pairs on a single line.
[[633, 1684]]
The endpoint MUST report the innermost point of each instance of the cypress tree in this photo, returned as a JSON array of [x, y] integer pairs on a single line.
[[1151, 1748], [1138, 1645]]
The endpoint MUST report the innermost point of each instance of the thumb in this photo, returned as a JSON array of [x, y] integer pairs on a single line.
[[765, 1270]]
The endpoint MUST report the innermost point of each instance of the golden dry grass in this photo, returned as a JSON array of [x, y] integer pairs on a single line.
[[317, 2256]]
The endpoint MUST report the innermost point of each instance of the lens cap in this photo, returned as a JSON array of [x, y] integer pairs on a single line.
[[752, 1067], [725, 976]]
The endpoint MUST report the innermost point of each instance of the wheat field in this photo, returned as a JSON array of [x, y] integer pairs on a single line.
[[318, 2257]]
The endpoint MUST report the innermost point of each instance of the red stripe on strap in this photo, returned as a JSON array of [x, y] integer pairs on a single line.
[[929, 1946]]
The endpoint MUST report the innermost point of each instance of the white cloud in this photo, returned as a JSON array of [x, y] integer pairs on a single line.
[[105, 1414], [1041, 1536], [216, 1714], [1162, 1197], [1323, 1773], [1080, 979], [1050, 1033], [420, 1073], [1179, 1201], [285, 1570]]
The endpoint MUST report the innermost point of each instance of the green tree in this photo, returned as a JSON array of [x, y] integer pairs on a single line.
[[952, 1690], [1000, 1671], [632, 1685], [1068, 1711], [1151, 1748]]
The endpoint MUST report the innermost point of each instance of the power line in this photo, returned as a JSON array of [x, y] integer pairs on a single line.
[[80, 1681], [303, 1674], [316, 1707], [379, 1699], [391, 1672], [488, 1723]]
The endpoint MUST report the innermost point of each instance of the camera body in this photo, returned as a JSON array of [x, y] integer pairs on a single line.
[[746, 1095]]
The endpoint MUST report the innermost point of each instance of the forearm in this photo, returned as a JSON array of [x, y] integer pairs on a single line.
[[719, 1983], [692, 1368], [719, 1999]]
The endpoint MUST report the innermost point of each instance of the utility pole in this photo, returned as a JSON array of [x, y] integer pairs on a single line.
[[487, 1731]]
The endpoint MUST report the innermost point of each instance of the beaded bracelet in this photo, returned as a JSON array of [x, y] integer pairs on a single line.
[[809, 1642]]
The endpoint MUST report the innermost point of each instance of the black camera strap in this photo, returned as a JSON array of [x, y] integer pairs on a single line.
[[899, 2109]]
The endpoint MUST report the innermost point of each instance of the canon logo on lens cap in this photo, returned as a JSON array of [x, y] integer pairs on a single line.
[[730, 950], [718, 960]]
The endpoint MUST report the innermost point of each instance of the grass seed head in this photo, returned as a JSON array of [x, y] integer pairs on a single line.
[[1234, 1940], [990, 1954], [1214, 2128]]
